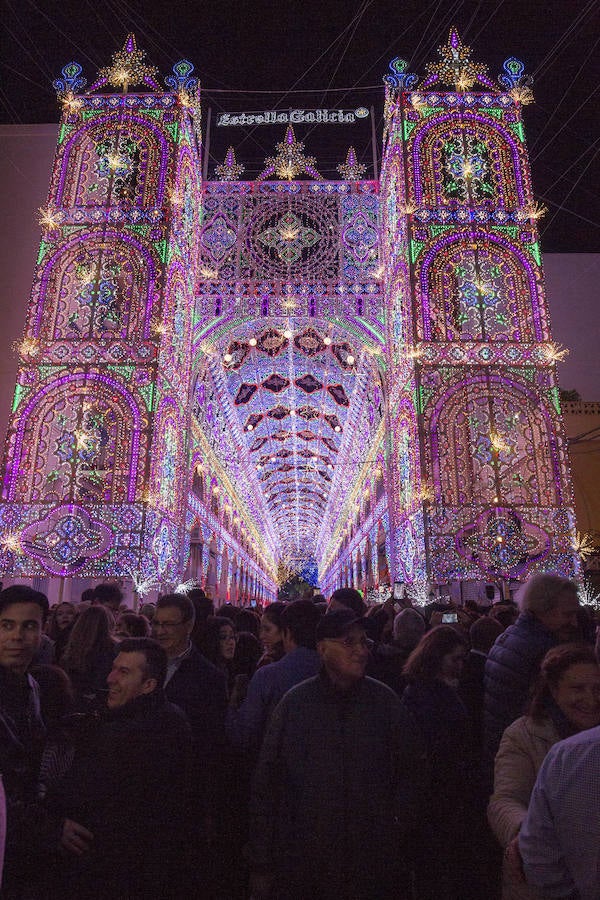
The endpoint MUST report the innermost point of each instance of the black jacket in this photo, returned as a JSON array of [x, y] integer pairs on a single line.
[[200, 690], [127, 785]]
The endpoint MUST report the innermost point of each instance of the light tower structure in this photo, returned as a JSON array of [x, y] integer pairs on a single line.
[[480, 475], [100, 416]]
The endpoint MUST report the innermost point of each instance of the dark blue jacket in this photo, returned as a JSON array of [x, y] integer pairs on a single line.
[[511, 666]]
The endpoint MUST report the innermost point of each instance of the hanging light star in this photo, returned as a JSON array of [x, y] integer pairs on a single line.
[[351, 170], [584, 545], [555, 353], [230, 169], [27, 347], [128, 68], [49, 218], [11, 541]]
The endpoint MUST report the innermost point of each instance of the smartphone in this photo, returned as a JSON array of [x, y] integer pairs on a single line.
[[399, 590], [449, 618]]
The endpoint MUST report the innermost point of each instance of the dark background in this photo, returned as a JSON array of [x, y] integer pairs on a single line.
[[333, 53]]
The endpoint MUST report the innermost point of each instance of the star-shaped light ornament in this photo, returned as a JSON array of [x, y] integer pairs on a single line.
[[290, 160], [456, 68], [230, 169], [128, 69], [351, 170]]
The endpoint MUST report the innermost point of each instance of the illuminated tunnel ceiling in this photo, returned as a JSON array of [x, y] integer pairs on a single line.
[[289, 319]]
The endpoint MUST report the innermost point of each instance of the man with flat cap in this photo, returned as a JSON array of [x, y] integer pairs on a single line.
[[338, 783]]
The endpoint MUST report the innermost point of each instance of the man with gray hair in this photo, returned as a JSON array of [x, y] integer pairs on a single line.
[[549, 606]]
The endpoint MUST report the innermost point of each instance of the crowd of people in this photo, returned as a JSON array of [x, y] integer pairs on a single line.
[[303, 751]]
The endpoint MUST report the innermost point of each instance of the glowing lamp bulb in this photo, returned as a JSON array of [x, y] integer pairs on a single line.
[[227, 358], [350, 359], [250, 428], [495, 499], [315, 458], [337, 428], [287, 334], [292, 412], [500, 539], [253, 342], [327, 341], [273, 459]]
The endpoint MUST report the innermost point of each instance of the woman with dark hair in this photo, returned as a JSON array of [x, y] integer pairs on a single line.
[[566, 700], [270, 634], [433, 671], [218, 645], [89, 656], [59, 626]]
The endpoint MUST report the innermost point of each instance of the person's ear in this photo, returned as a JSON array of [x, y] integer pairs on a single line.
[[149, 685]]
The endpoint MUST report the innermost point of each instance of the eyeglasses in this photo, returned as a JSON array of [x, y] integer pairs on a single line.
[[350, 643], [166, 625]]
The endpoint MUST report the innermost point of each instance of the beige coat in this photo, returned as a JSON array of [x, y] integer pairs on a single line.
[[522, 749]]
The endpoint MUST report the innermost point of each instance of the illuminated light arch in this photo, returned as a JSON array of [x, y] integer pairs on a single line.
[[83, 141], [423, 156], [44, 398], [98, 241], [481, 239], [456, 401]]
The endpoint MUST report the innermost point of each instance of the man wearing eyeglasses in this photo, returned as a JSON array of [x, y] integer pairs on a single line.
[[339, 781]]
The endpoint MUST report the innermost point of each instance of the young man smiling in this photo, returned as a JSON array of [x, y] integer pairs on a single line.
[[128, 784]]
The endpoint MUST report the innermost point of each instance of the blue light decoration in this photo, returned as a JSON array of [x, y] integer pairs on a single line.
[[70, 82], [182, 79], [400, 79], [514, 75]]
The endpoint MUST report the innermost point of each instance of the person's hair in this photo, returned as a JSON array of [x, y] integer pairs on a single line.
[[196, 593], [210, 646], [425, 661], [135, 625], [552, 669], [504, 613], [247, 620], [319, 598], [52, 629], [89, 638], [247, 653], [87, 596], [107, 594], [541, 593], [300, 618], [147, 610], [483, 633], [351, 598], [22, 593], [154, 654], [57, 698], [409, 628], [228, 611], [273, 613], [181, 602]]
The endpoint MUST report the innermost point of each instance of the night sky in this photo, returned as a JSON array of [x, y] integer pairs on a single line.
[[313, 54]]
